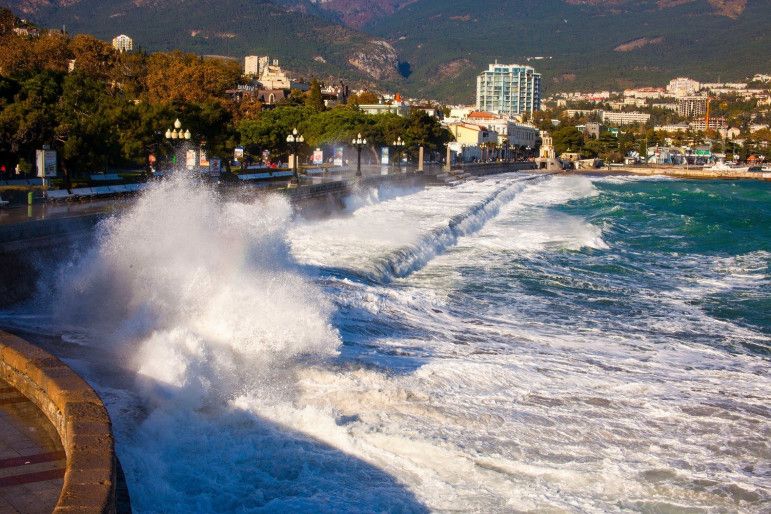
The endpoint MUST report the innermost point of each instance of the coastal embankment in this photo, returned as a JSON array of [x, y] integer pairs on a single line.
[[79, 417]]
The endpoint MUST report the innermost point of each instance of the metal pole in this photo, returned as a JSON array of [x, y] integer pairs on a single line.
[[294, 163], [358, 161]]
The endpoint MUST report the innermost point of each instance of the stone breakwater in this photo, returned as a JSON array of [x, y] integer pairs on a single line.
[[79, 417]]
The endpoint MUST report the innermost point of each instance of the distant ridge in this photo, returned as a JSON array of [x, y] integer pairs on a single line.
[[435, 48]]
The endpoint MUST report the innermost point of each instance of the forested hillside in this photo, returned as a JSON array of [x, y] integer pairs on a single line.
[[435, 48]]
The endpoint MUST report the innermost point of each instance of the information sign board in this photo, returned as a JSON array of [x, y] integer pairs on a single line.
[[46, 163]]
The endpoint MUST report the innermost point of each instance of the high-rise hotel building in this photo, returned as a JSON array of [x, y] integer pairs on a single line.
[[123, 43], [509, 89]]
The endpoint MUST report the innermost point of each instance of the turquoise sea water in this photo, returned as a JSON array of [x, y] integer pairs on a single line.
[[671, 233]]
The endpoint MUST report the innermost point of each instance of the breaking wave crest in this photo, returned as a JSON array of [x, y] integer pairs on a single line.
[[412, 257]]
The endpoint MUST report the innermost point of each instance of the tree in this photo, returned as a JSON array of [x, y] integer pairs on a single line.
[[181, 77], [314, 100], [364, 98], [86, 132], [269, 130], [26, 122], [93, 57], [567, 138], [424, 130], [7, 21]]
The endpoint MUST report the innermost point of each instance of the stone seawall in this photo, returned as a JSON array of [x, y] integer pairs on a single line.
[[79, 417]]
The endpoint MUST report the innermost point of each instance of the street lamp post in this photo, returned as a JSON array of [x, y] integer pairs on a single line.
[[398, 146], [176, 134], [359, 143], [295, 139]]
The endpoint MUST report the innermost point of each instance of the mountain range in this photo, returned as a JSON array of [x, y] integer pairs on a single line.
[[435, 48]]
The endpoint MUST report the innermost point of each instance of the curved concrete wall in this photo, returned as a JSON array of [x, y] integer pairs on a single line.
[[78, 415]]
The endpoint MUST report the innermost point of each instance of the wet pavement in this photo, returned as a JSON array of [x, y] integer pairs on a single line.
[[32, 459], [44, 211]]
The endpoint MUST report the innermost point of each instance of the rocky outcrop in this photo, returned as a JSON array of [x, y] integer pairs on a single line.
[[729, 8], [638, 43], [377, 60]]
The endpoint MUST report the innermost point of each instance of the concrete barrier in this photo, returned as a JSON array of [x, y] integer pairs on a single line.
[[79, 417]]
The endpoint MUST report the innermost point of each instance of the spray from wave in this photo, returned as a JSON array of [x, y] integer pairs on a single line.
[[200, 299], [194, 283]]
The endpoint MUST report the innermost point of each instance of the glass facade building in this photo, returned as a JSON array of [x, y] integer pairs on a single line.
[[509, 89]]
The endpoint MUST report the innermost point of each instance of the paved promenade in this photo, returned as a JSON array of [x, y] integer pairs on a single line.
[[32, 459]]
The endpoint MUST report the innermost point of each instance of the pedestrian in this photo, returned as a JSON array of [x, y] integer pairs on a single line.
[[18, 169]]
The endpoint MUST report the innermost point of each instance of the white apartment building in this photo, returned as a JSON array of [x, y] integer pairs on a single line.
[[651, 93], [400, 108], [714, 124], [273, 77], [625, 118], [682, 86], [254, 64], [679, 127], [692, 106], [635, 102], [582, 112], [517, 134], [123, 43], [509, 89]]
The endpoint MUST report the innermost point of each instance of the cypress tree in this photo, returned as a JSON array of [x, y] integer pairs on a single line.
[[314, 99]]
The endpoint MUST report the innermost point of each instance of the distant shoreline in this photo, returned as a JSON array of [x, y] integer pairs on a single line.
[[699, 174]]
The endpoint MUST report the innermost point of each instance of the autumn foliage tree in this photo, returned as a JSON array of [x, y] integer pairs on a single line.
[[182, 77]]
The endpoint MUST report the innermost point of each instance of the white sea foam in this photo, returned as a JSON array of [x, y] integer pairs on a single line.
[[528, 224], [393, 239]]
